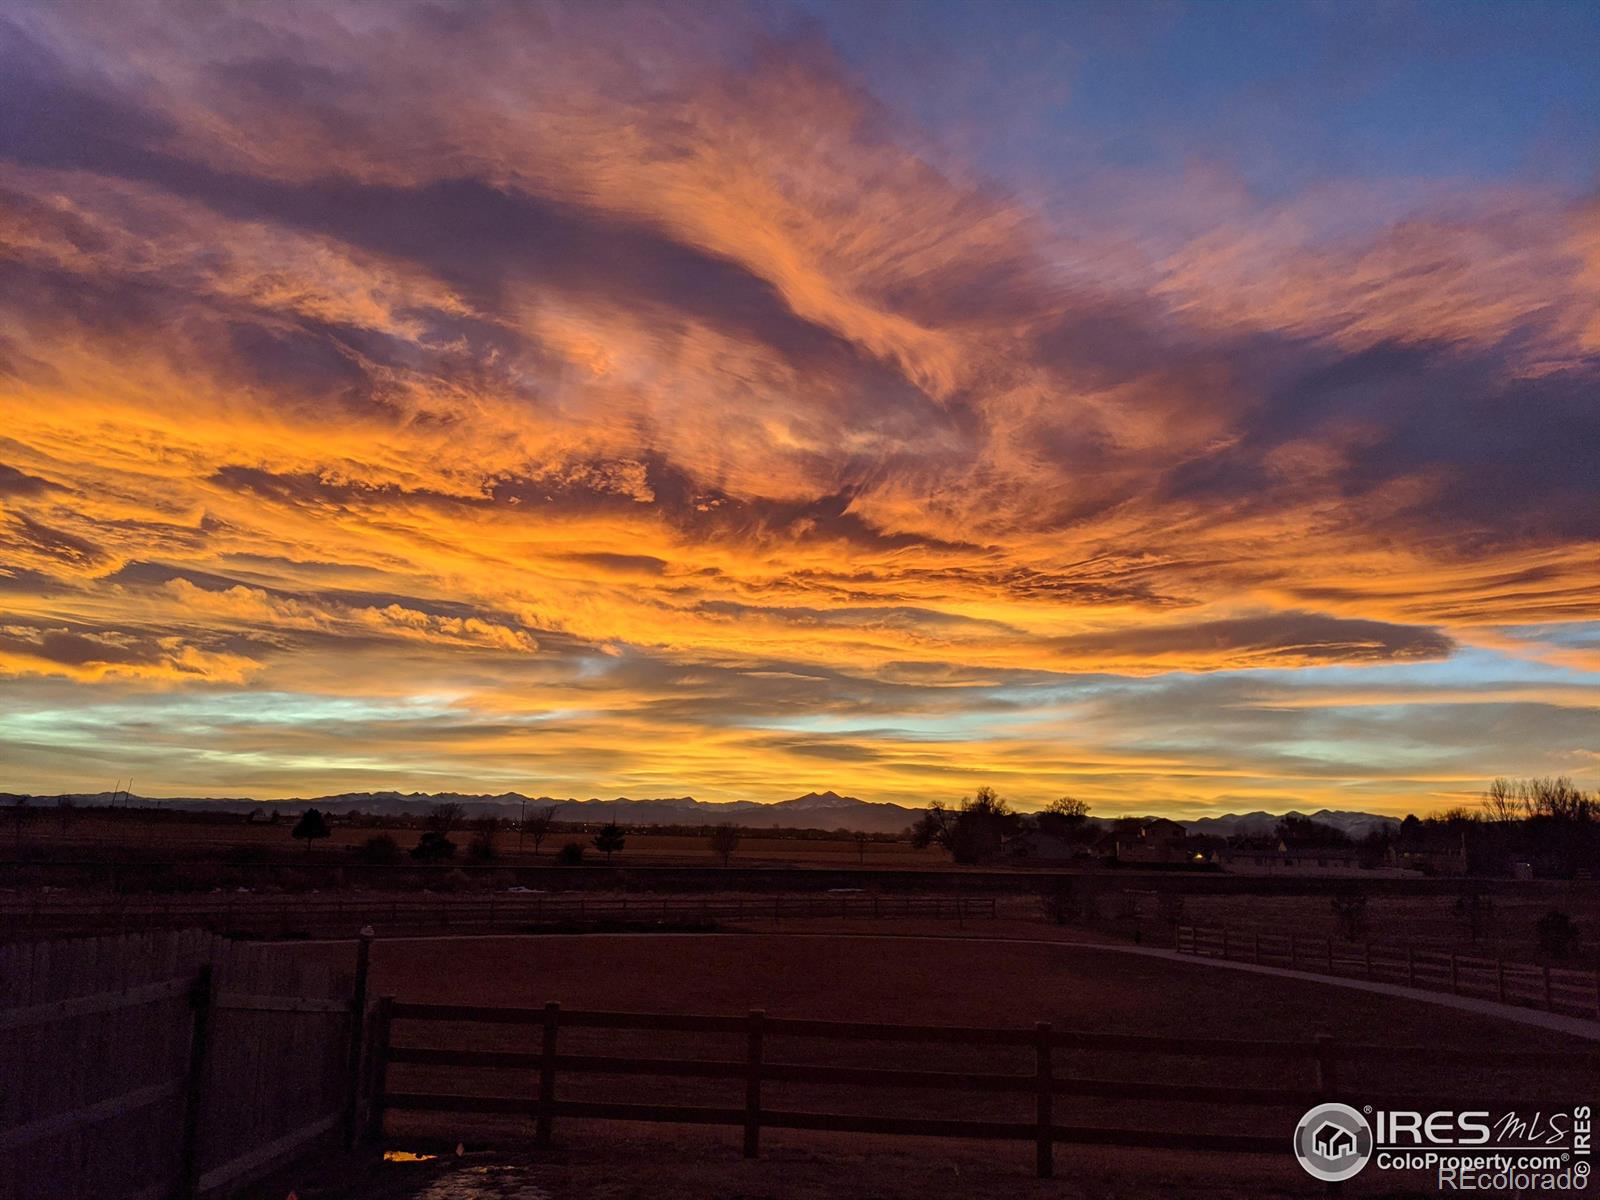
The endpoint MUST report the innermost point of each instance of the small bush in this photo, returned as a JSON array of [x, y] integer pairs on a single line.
[[433, 847], [570, 855], [381, 850]]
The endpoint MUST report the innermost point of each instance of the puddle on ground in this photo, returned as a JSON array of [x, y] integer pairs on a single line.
[[484, 1183]]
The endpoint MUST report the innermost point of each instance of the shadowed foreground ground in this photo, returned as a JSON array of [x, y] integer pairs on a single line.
[[976, 981]]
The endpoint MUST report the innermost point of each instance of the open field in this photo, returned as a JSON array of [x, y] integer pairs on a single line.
[[180, 836], [973, 982]]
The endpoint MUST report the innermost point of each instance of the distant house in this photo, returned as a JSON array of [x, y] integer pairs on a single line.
[[1439, 858], [1155, 841], [1299, 860]]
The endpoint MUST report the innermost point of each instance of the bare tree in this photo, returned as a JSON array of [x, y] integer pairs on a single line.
[[1500, 803], [442, 818], [862, 839], [1069, 807], [1066, 817], [971, 833], [725, 840], [538, 826]]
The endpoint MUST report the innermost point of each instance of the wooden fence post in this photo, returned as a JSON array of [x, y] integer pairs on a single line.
[[547, 1075], [1549, 1006], [200, 998], [1255, 946], [1500, 978], [1366, 958], [1455, 977], [378, 1067], [1411, 966], [1294, 959], [752, 1085], [1328, 945], [1044, 1101], [358, 1029]]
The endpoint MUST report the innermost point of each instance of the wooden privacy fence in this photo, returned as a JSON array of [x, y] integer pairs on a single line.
[[168, 1064], [272, 915], [1553, 988], [1317, 1061]]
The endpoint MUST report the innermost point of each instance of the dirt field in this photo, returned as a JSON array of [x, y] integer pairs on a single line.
[[977, 981], [210, 837]]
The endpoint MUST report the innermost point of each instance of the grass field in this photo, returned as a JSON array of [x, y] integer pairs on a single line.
[[974, 981]]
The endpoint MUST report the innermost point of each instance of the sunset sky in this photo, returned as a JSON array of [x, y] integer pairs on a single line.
[[1191, 408]]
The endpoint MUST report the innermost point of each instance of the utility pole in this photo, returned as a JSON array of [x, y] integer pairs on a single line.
[[522, 823]]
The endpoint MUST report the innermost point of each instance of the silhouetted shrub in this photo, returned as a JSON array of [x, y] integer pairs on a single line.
[[311, 826], [570, 855], [433, 847], [481, 848], [381, 850], [610, 839]]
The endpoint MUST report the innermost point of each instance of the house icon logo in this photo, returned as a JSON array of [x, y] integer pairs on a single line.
[[1333, 1142]]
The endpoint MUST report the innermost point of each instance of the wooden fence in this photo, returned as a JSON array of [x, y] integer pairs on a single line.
[[341, 913], [1318, 1061], [1555, 989], [168, 1064]]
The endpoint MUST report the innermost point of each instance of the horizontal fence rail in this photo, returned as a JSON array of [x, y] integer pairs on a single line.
[[1555, 989], [248, 914], [1050, 1079]]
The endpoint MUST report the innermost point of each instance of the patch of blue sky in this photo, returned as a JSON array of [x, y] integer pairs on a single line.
[[1470, 666], [1572, 635], [68, 724]]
